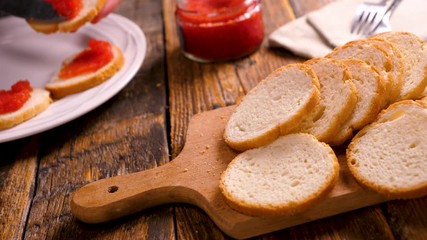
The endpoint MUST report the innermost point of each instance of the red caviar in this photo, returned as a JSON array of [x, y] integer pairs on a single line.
[[213, 30], [12, 100], [98, 54], [66, 8]]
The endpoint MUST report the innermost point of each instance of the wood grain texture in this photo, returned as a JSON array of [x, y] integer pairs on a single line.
[[194, 88], [132, 132], [18, 169], [407, 218], [247, 73], [126, 134], [193, 176]]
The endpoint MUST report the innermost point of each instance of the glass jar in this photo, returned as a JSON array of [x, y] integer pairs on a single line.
[[219, 30]]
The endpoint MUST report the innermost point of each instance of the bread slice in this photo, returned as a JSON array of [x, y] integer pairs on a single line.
[[373, 54], [60, 88], [89, 11], [414, 52], [398, 69], [36, 104], [423, 101], [371, 89], [390, 155], [338, 97], [273, 108], [284, 177]]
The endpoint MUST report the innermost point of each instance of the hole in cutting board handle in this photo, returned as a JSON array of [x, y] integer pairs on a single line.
[[113, 189]]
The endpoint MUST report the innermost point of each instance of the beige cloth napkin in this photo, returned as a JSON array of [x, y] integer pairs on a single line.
[[317, 33]]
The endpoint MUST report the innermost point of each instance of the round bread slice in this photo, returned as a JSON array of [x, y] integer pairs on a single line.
[[284, 177], [338, 97], [60, 88], [373, 54], [272, 108], [37, 103], [89, 11], [398, 69], [414, 52], [371, 92], [390, 155]]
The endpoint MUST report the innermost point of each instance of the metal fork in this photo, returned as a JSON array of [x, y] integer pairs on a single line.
[[368, 16], [384, 25]]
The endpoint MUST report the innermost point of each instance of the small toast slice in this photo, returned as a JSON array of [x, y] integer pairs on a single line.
[[371, 89], [89, 11], [37, 103], [373, 54], [389, 156], [273, 108], [338, 97], [414, 52], [63, 87], [284, 177], [398, 68]]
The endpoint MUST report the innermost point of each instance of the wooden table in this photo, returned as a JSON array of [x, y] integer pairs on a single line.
[[144, 126]]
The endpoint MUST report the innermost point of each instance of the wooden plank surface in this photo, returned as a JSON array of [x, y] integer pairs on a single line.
[[193, 176], [144, 127], [126, 134], [18, 169], [369, 222]]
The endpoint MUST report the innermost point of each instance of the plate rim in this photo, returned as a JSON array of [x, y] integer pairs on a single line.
[[121, 79]]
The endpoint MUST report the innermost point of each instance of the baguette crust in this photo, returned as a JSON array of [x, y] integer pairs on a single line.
[[372, 93], [90, 10], [61, 88], [388, 156], [284, 122], [373, 54], [244, 182], [397, 68], [338, 97], [37, 103], [414, 55]]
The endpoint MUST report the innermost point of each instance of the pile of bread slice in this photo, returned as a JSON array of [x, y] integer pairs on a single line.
[[370, 92]]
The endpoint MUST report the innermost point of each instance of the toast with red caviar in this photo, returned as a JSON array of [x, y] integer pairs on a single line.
[[21, 103], [76, 13], [87, 69]]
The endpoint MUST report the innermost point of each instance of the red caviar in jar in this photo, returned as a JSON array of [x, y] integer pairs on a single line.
[[216, 30], [66, 8], [98, 54], [13, 99]]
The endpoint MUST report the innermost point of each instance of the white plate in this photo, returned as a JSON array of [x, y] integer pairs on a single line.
[[26, 54]]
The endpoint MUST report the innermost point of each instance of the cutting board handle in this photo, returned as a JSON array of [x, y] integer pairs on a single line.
[[114, 197]]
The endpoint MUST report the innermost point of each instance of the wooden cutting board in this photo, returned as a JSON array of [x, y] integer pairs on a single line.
[[192, 177]]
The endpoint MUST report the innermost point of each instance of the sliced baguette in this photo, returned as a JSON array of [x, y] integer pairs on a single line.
[[284, 177], [60, 88], [414, 52], [373, 54], [390, 155], [89, 11], [36, 104], [398, 68], [338, 97], [371, 88], [273, 108]]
